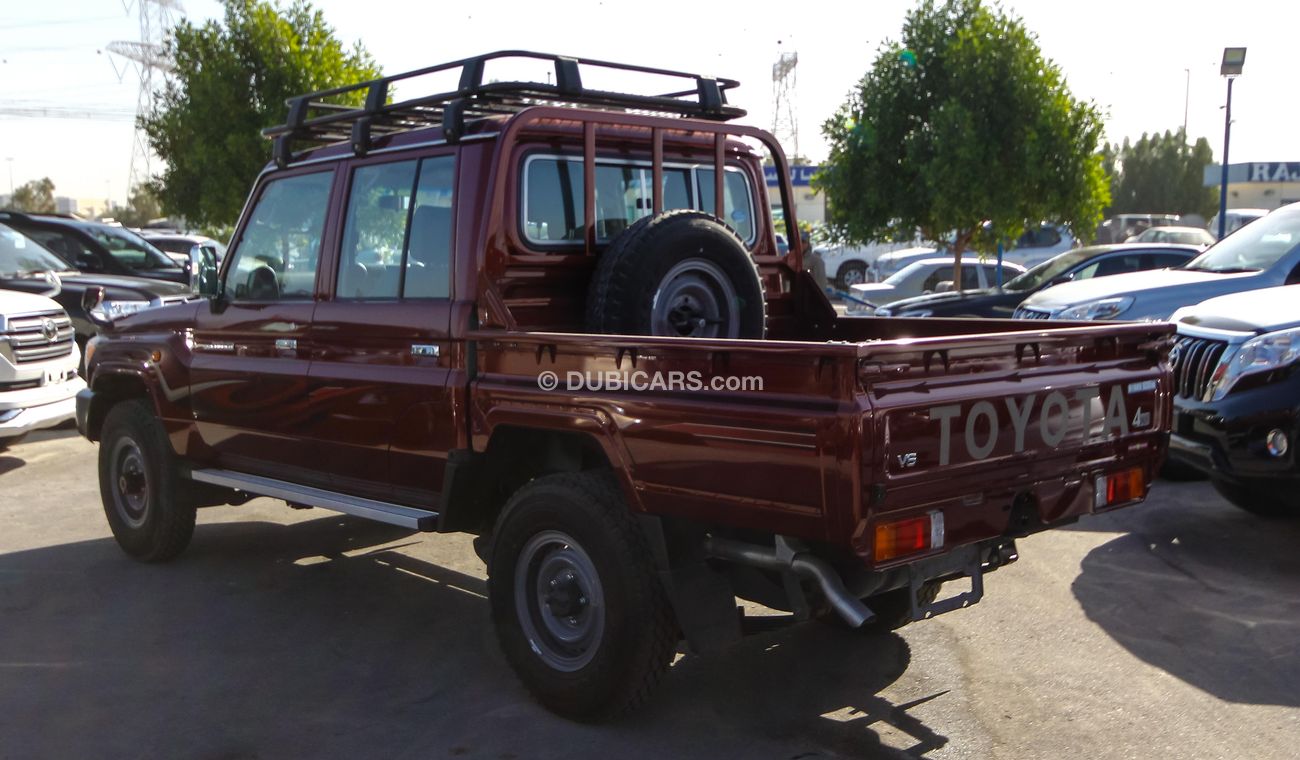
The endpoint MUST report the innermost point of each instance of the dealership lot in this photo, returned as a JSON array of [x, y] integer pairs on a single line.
[[1172, 630]]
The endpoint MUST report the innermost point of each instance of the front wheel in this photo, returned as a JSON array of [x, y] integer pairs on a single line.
[[147, 505], [1257, 499], [577, 607]]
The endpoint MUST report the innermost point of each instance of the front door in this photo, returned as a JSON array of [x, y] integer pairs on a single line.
[[249, 372], [381, 408]]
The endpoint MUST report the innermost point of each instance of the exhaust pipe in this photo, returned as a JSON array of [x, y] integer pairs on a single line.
[[789, 557]]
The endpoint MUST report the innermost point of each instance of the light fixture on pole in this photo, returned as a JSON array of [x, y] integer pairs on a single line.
[[1233, 60]]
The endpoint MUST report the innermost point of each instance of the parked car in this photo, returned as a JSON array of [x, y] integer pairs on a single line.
[[26, 265], [931, 275], [1040, 244], [850, 265], [1079, 264], [1266, 254], [1237, 218], [1121, 227], [38, 365], [889, 264], [180, 247], [1237, 397], [455, 349], [1178, 235], [99, 248]]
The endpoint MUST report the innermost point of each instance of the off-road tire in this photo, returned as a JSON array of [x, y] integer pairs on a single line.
[[636, 265], [147, 504], [636, 642], [892, 608], [1261, 501]]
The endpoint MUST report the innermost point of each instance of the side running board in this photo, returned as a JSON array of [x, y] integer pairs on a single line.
[[380, 511]]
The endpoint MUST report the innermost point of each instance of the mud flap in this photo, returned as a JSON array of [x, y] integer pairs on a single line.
[[962, 562]]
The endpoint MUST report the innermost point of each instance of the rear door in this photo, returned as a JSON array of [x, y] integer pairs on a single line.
[[380, 407], [249, 370]]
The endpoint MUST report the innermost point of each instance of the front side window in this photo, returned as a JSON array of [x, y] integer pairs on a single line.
[[397, 234], [554, 195], [278, 251]]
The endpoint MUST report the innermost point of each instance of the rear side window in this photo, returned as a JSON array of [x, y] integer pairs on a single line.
[[397, 233], [279, 249], [553, 197]]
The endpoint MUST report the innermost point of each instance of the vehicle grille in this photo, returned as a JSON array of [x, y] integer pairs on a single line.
[[1193, 361], [1023, 313], [39, 337]]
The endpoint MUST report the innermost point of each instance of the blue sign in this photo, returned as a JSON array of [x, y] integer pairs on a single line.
[[1264, 171], [800, 176]]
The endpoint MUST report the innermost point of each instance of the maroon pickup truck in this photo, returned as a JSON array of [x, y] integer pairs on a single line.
[[557, 318]]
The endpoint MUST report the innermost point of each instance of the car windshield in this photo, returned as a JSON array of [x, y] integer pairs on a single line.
[[905, 272], [1254, 247], [1049, 270], [20, 254], [131, 250]]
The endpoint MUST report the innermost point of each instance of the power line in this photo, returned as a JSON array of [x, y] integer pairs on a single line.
[[58, 22]]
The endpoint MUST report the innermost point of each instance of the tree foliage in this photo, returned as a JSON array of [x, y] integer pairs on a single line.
[[141, 207], [36, 197], [962, 122], [231, 80], [1160, 174]]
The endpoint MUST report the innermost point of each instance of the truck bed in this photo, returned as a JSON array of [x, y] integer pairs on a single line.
[[847, 430]]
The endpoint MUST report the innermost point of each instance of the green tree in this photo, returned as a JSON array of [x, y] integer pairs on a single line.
[[962, 127], [36, 196], [141, 207], [1160, 174], [231, 80]]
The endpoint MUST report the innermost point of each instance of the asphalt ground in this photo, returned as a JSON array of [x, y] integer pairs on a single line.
[[1169, 630]]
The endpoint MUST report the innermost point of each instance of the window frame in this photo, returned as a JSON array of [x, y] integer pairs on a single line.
[[645, 165], [327, 242], [331, 283]]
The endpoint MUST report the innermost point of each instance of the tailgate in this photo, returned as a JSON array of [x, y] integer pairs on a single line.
[[987, 418]]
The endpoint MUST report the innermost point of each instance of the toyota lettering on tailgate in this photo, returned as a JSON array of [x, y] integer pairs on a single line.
[[1048, 413]]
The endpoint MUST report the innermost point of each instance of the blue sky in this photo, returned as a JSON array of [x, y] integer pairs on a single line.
[[1129, 57]]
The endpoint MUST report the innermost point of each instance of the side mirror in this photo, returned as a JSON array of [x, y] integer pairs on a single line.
[[203, 271], [944, 286], [91, 299], [1059, 280]]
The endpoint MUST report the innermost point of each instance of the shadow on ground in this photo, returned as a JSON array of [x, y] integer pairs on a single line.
[[325, 639], [1202, 590]]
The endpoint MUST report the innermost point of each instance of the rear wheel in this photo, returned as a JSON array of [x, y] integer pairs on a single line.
[[146, 503], [851, 273], [1258, 499], [577, 606]]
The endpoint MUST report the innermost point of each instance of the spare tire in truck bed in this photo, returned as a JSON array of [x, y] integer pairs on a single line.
[[681, 274]]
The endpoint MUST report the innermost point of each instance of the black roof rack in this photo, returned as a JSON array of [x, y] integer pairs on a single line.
[[314, 120]]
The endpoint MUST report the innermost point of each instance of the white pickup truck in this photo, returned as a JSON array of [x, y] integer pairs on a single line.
[[38, 365]]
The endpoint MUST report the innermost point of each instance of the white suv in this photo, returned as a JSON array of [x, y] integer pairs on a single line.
[[38, 365]]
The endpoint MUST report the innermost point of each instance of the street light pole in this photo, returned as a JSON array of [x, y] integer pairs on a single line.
[[1187, 91], [1233, 61]]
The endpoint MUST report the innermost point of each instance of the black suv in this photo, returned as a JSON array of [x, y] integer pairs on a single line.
[[99, 248]]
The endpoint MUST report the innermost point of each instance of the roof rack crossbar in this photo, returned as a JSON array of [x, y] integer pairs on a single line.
[[315, 120]]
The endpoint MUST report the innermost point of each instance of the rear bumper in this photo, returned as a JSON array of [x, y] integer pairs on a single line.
[[48, 410]]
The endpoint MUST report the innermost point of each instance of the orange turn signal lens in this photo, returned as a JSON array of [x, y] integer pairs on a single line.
[[1123, 486], [910, 535]]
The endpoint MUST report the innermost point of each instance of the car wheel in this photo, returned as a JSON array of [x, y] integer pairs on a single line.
[[681, 273], [577, 606], [1257, 499], [146, 503], [851, 273]]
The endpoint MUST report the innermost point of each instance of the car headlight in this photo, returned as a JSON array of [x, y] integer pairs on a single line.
[[1262, 354], [111, 310], [1106, 308]]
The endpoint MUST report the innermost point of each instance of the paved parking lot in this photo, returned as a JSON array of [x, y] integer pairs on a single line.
[[1171, 630]]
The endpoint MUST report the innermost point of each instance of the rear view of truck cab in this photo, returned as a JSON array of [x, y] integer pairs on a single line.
[[38, 366]]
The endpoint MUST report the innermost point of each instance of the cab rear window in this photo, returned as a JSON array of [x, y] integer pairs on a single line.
[[552, 203]]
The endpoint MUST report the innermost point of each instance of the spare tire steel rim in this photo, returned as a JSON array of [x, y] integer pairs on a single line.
[[695, 299], [130, 482], [559, 601]]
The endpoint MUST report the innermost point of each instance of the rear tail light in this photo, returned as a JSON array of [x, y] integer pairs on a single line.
[[1118, 487], [910, 535]]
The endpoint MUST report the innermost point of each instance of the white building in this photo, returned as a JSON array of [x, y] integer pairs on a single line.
[[1258, 185]]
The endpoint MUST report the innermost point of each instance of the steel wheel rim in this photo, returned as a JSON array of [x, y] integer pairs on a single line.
[[559, 601], [695, 299], [129, 480]]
